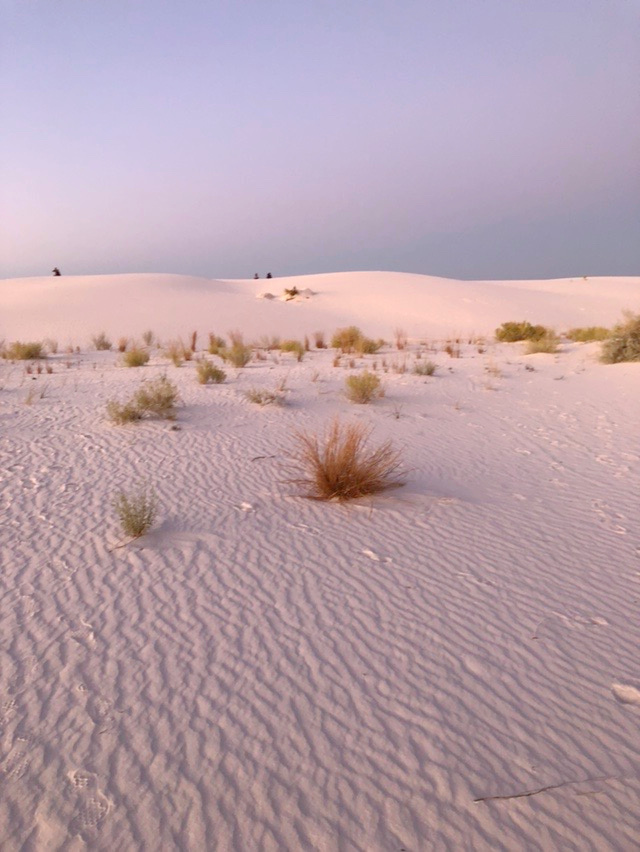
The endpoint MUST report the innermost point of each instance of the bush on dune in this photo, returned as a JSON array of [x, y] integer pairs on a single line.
[[18, 351], [624, 341], [363, 388], [588, 334], [342, 466], [512, 332]]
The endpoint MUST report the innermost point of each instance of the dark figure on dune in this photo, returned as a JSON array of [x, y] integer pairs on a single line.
[[56, 271], [269, 275], [256, 276]]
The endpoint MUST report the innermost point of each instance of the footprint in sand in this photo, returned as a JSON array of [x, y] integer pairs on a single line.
[[626, 693], [92, 806]]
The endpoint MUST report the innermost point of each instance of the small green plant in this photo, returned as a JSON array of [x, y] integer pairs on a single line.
[[548, 344], [260, 396], [135, 357], [511, 332], [136, 511], [18, 351], [424, 368], [363, 387], [206, 373], [101, 342], [293, 346], [341, 466], [624, 342]]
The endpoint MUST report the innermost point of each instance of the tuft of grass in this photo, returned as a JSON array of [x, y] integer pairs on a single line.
[[175, 353], [123, 342], [101, 342], [294, 346], [346, 339], [120, 413], [156, 398], [148, 338], [363, 387], [588, 334], [342, 466], [424, 368], [135, 357], [206, 373], [318, 339], [260, 396], [238, 355], [215, 343], [18, 351], [548, 344], [136, 511], [400, 336], [511, 332], [624, 342]]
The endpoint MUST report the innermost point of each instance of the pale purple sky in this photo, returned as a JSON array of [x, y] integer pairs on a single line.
[[466, 138]]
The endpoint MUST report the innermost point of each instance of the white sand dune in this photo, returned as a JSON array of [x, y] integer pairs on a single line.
[[452, 665], [72, 309]]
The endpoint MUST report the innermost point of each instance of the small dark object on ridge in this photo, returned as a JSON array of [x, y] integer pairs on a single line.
[[269, 275], [256, 276], [56, 271]]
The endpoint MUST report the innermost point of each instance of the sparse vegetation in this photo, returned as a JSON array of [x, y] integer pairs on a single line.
[[424, 368], [363, 387], [136, 511], [215, 343], [101, 342], [18, 351], [156, 398], [238, 355], [175, 353], [260, 396], [135, 357], [123, 342], [148, 338], [341, 466], [351, 339], [624, 341], [318, 339], [293, 346], [208, 373], [588, 334], [548, 344], [400, 336], [512, 332]]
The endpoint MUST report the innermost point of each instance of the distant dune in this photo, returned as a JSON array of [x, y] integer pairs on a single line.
[[72, 308]]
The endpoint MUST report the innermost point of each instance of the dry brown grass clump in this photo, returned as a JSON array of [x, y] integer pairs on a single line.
[[341, 466], [136, 511], [18, 351]]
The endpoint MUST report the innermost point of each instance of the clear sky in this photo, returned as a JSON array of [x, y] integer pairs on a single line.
[[465, 138]]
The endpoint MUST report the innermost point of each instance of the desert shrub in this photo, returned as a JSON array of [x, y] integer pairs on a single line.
[[624, 342], [120, 414], [588, 334], [123, 342], [260, 396], [318, 339], [148, 338], [175, 353], [291, 294], [135, 357], [452, 351], [293, 346], [237, 354], [363, 387], [341, 466], [136, 511], [101, 342], [400, 336], [424, 368], [511, 332], [548, 343], [215, 343], [207, 372], [157, 398], [18, 351], [367, 346], [346, 339]]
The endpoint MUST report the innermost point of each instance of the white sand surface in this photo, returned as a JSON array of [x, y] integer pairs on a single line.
[[452, 665]]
